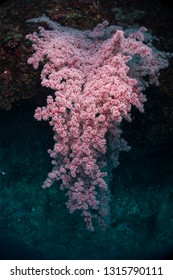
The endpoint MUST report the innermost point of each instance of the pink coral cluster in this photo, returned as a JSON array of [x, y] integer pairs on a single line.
[[97, 76]]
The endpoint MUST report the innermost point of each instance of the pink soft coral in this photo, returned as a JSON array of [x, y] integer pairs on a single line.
[[97, 76]]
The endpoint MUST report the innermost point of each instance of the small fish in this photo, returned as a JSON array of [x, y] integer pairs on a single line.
[[2, 172]]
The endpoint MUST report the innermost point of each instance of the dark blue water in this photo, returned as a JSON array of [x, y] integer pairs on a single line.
[[35, 223]]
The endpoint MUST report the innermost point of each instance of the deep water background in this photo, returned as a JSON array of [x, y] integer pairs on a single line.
[[35, 223]]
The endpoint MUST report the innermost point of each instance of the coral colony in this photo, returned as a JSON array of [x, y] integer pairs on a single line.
[[97, 75]]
